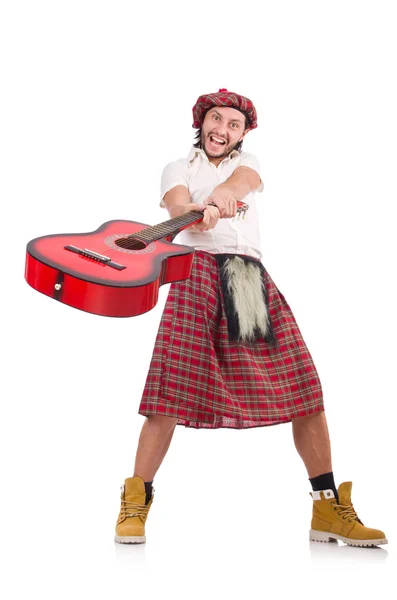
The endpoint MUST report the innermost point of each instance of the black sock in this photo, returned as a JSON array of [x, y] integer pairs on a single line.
[[324, 482], [148, 490]]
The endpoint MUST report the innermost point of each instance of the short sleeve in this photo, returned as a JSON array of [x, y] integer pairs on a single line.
[[250, 160], [175, 173]]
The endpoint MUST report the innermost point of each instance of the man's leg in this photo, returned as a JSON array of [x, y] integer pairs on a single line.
[[312, 442], [332, 519], [154, 441]]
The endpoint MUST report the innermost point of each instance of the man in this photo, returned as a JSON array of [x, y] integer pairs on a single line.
[[229, 352]]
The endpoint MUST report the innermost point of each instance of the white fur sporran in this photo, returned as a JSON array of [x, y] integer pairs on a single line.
[[245, 298]]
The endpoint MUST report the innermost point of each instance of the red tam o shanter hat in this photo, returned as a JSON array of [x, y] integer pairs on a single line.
[[223, 98]]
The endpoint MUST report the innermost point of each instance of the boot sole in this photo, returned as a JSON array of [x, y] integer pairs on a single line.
[[325, 536], [130, 539]]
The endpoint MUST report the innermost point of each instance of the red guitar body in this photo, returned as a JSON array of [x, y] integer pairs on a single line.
[[115, 271], [84, 282]]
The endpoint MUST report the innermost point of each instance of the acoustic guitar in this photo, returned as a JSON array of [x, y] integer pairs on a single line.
[[115, 271]]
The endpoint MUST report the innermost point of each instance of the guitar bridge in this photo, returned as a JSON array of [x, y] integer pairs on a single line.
[[101, 258]]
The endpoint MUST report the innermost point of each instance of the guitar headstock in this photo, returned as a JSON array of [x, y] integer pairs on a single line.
[[242, 208]]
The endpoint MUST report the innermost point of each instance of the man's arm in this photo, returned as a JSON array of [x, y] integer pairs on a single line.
[[174, 191], [177, 200], [242, 181]]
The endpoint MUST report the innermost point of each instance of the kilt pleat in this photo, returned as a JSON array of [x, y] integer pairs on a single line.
[[203, 379]]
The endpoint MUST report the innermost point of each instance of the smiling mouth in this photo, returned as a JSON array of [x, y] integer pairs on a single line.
[[218, 142]]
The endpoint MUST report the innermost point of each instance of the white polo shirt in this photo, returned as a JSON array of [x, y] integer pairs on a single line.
[[200, 176]]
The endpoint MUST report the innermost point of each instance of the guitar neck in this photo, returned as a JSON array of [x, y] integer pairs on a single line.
[[169, 229]]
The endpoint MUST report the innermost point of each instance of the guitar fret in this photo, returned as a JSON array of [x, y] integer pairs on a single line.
[[156, 232]]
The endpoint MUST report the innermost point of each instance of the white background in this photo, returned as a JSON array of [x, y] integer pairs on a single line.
[[96, 98]]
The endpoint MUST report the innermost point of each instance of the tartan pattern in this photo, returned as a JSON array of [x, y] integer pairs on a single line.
[[223, 98], [198, 376]]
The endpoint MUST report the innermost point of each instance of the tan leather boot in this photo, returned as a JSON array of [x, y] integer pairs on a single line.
[[339, 521], [130, 526]]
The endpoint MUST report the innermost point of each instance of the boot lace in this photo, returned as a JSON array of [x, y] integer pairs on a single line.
[[346, 511], [133, 509]]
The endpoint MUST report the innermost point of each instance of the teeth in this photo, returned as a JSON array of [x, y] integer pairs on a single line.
[[213, 137]]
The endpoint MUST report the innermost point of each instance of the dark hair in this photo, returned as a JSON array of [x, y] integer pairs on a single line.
[[197, 137]]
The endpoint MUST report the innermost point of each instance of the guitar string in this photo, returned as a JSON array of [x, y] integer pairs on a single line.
[[125, 242]]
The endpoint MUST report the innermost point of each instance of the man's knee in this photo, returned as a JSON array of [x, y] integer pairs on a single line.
[[162, 423], [315, 416]]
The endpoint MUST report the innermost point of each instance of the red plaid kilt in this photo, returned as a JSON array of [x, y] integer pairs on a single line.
[[200, 377]]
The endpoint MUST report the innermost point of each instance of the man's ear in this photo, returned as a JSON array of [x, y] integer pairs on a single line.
[[244, 134]]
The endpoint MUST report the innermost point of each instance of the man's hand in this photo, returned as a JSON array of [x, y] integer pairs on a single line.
[[210, 219], [225, 201]]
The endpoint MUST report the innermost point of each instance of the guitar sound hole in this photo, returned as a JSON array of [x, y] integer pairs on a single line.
[[130, 244]]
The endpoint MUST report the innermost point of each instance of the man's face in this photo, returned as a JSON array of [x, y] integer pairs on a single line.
[[221, 131]]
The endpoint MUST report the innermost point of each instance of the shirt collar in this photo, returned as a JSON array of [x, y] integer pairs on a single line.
[[194, 152]]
